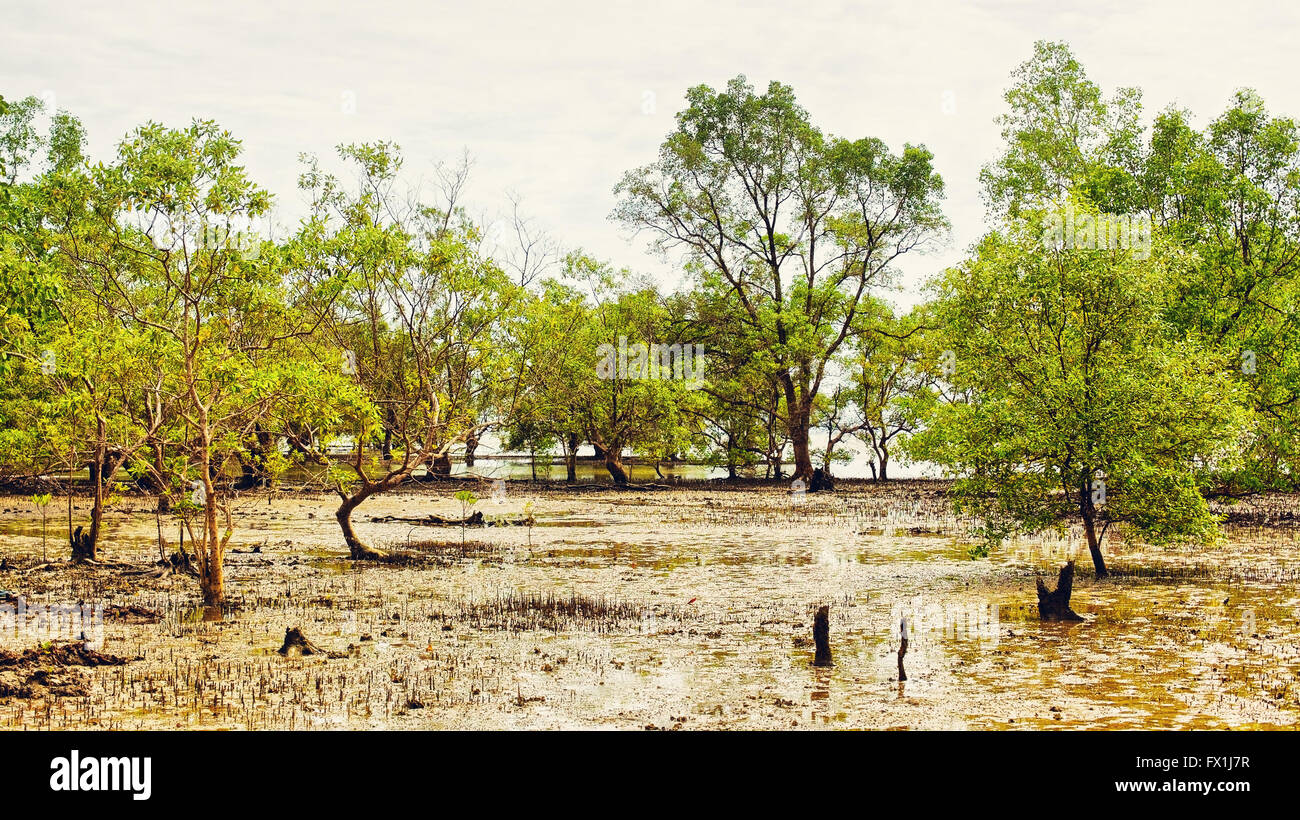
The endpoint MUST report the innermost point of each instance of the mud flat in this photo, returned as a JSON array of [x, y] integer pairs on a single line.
[[683, 608]]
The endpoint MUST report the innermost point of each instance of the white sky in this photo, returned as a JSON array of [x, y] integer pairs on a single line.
[[548, 97]]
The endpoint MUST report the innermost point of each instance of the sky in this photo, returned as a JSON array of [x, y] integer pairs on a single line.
[[554, 101]]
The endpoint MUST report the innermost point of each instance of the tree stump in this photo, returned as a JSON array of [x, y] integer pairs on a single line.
[[1054, 604], [83, 548], [822, 637], [294, 639], [902, 649], [821, 481]]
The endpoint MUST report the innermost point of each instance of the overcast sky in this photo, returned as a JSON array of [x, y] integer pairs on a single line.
[[556, 100]]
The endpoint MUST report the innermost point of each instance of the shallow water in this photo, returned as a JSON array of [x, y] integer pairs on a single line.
[[714, 594]]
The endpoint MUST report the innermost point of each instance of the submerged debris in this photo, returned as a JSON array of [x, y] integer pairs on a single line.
[[131, 614], [44, 671], [59, 654]]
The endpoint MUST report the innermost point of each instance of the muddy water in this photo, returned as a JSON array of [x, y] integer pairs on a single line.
[[701, 617]]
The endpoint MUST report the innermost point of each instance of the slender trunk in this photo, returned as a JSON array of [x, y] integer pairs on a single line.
[[1090, 529], [1094, 545], [390, 421], [153, 480], [884, 464], [212, 582], [471, 444], [357, 549], [91, 545], [571, 459], [84, 542]]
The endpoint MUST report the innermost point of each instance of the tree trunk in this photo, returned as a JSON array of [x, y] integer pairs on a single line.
[[253, 468], [1089, 513], [357, 549], [803, 467], [884, 464], [600, 451], [390, 421], [571, 459], [440, 465], [84, 543], [1094, 545], [614, 463], [471, 444], [212, 580], [798, 415]]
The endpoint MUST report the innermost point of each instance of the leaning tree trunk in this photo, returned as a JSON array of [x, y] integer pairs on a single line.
[[358, 550], [1090, 530], [614, 464], [471, 444]]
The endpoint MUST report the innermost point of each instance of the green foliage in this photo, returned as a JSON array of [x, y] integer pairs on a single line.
[[1067, 373], [786, 228]]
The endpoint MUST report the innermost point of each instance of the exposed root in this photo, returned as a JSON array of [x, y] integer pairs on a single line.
[[177, 564], [361, 552], [475, 519]]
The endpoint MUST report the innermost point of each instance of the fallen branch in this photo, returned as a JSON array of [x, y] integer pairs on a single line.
[[476, 519]]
